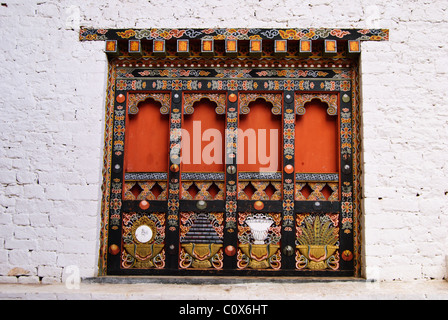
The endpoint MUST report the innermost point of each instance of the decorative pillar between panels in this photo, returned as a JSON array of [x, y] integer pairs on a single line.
[[231, 138], [172, 232], [288, 229]]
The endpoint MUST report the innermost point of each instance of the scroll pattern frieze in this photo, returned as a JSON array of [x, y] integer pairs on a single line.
[[163, 98], [302, 98], [274, 98], [190, 99]]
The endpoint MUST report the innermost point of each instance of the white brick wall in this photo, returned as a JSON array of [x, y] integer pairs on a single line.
[[52, 102]]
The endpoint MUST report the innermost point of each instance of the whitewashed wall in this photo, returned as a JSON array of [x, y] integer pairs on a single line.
[[52, 105]]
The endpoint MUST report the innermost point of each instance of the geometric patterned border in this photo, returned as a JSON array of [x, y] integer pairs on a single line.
[[205, 176]]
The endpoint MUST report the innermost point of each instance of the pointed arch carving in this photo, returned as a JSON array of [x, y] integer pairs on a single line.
[[275, 98], [330, 99], [163, 98], [190, 98]]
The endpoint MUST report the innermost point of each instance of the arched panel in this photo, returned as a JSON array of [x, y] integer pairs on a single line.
[[260, 139], [203, 138], [147, 139], [316, 142]]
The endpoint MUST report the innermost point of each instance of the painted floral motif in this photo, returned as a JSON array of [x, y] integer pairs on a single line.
[[130, 85], [177, 85], [288, 178], [346, 133], [231, 151], [119, 123], [347, 207], [115, 203], [231, 85], [288, 133], [173, 186], [317, 241], [240, 85]]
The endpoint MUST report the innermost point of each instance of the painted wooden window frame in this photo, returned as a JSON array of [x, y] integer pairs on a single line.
[[123, 86]]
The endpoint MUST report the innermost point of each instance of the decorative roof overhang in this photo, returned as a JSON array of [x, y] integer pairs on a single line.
[[234, 34], [281, 41]]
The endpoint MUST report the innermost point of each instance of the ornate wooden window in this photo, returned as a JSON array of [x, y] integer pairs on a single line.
[[232, 152]]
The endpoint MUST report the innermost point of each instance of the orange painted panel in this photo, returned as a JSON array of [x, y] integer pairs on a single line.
[[147, 140], [316, 140], [203, 139], [260, 139]]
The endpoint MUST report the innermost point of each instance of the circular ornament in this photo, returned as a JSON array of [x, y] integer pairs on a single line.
[[121, 98], [288, 251], [288, 98], [346, 169], [232, 97], [347, 255], [289, 168], [258, 205], [201, 204], [143, 204], [176, 98], [231, 169], [174, 168], [230, 251], [144, 233], [144, 230], [114, 249]]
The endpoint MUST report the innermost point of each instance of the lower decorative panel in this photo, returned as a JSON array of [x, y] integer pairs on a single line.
[[317, 241], [259, 241], [201, 237], [143, 241], [201, 241]]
